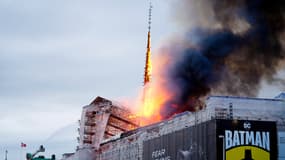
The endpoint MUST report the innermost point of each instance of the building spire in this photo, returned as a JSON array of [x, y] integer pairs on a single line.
[[147, 69]]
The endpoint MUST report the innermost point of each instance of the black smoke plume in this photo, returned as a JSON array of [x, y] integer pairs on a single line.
[[230, 57]]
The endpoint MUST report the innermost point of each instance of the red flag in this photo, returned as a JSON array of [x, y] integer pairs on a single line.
[[23, 145]]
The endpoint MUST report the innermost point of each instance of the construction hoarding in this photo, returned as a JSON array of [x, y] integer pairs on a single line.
[[216, 140], [195, 142]]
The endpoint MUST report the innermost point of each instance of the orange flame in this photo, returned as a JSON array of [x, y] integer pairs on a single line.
[[154, 94], [148, 65]]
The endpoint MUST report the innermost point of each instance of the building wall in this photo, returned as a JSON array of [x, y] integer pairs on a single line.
[[249, 108], [101, 116], [281, 144], [152, 142], [201, 141], [137, 144]]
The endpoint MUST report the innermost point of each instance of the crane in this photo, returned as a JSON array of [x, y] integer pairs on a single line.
[[30, 156]]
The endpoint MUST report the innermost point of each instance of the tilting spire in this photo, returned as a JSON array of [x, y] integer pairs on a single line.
[[147, 69]]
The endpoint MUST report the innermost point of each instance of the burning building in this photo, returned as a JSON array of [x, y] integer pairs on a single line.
[[177, 118], [226, 127]]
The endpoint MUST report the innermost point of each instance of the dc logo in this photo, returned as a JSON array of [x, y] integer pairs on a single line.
[[246, 125]]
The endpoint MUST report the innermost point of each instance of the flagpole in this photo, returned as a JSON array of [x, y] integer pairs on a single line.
[[21, 153], [6, 154], [23, 146]]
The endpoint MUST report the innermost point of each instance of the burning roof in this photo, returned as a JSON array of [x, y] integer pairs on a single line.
[[243, 46]]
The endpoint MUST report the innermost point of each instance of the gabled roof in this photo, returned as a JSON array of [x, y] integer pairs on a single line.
[[99, 99]]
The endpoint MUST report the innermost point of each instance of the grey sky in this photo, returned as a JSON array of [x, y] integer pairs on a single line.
[[58, 55]]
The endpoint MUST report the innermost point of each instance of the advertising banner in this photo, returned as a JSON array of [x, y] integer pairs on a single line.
[[246, 140]]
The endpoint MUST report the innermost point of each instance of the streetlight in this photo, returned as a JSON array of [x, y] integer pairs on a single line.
[[221, 136]]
